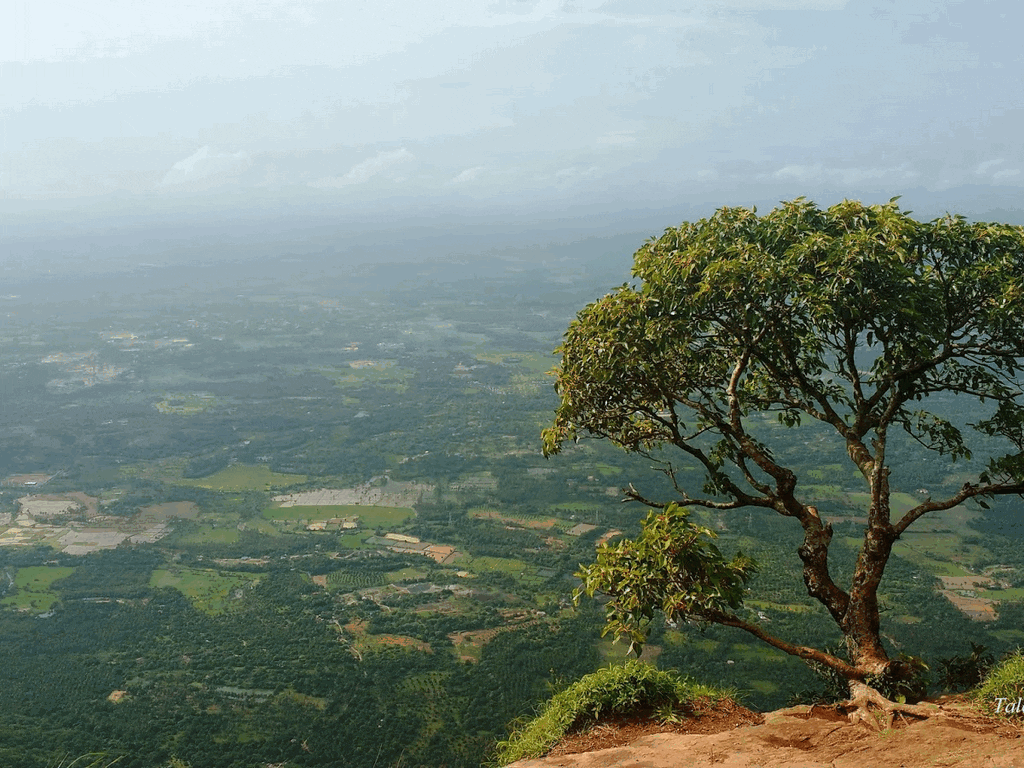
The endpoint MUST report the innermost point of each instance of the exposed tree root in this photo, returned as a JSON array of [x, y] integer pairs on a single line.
[[863, 697]]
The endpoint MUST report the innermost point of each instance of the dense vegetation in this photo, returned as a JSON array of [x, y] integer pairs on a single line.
[[239, 637]]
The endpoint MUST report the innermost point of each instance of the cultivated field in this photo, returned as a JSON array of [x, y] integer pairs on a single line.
[[33, 588], [243, 477], [159, 512], [210, 591], [394, 494], [539, 523], [369, 516]]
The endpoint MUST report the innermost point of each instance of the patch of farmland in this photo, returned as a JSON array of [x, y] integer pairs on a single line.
[[20, 537], [481, 481], [977, 608], [382, 373], [210, 591], [186, 404], [362, 641], [519, 569], [51, 504], [33, 588], [82, 541], [469, 645], [394, 494], [244, 477], [539, 523], [187, 510], [350, 580], [207, 534], [369, 516]]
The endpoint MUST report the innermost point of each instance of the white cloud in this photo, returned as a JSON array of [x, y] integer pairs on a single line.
[[366, 170], [1006, 174], [470, 174], [799, 172], [204, 164], [616, 138], [847, 176], [575, 172], [57, 30], [858, 175], [986, 166]]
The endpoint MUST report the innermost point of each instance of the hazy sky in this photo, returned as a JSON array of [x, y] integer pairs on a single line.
[[558, 103]]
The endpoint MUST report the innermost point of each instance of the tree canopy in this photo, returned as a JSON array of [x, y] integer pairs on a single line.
[[854, 317]]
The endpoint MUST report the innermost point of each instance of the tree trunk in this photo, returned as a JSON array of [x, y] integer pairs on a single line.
[[861, 625]]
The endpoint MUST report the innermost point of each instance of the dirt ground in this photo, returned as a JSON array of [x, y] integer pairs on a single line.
[[799, 737]]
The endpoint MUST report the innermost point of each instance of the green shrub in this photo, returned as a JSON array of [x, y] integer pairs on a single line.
[[633, 688], [960, 673], [833, 686], [1005, 681]]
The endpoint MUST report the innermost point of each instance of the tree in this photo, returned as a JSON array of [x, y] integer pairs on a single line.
[[855, 317]]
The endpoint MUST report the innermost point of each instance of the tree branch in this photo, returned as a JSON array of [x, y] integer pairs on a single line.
[[967, 492], [801, 651]]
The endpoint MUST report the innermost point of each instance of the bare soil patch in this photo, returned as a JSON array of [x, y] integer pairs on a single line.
[[52, 504], [394, 494], [543, 524], [620, 731], [799, 737]]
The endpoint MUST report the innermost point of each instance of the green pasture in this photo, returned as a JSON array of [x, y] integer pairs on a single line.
[[210, 591], [382, 373], [369, 516], [353, 541], [520, 570], [207, 534], [185, 403], [243, 477], [1013, 593], [406, 574], [33, 587], [260, 526]]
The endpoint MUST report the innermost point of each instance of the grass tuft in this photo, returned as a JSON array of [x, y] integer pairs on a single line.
[[1005, 681], [633, 688]]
